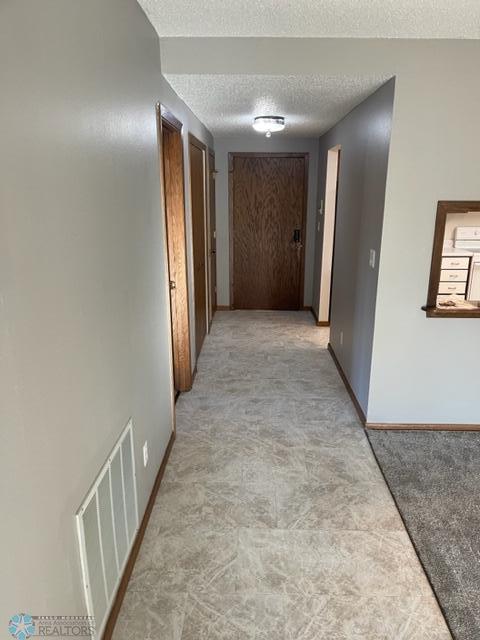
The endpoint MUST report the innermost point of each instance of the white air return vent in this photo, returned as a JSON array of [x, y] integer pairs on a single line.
[[107, 524]]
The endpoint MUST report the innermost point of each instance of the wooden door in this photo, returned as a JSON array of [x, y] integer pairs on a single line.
[[197, 182], [173, 190], [268, 202], [212, 233]]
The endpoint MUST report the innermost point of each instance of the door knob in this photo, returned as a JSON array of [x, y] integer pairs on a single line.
[[172, 285], [297, 235]]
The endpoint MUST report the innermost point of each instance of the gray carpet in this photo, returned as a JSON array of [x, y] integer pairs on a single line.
[[435, 480]]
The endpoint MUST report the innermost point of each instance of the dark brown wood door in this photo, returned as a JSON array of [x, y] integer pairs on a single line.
[[197, 181], [268, 226], [213, 233], [172, 148]]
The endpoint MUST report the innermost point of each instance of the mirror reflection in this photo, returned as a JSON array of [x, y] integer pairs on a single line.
[[459, 285]]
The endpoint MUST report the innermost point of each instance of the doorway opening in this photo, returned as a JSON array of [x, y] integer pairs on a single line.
[[174, 202], [268, 200], [329, 226], [198, 187]]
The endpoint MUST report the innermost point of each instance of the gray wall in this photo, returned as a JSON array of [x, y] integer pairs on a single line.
[[84, 318], [364, 136], [277, 143], [426, 370]]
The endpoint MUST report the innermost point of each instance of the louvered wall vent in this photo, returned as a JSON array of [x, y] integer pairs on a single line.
[[107, 523]]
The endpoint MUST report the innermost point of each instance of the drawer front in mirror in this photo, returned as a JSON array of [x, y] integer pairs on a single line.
[[452, 287], [454, 275], [455, 263]]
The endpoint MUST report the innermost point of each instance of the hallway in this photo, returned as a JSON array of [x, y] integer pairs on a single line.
[[273, 520]]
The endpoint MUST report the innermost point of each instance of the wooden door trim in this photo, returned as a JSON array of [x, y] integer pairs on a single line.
[[169, 118], [182, 366], [194, 141], [246, 154], [231, 158], [268, 154], [301, 293], [211, 171]]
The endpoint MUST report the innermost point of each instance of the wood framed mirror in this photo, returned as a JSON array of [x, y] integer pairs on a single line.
[[454, 288]]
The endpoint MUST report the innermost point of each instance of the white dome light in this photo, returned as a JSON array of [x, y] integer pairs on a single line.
[[269, 124]]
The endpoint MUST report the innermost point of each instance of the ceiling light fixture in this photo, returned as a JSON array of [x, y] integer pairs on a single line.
[[269, 124]]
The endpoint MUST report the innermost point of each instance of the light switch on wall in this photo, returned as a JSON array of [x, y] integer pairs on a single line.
[[145, 454], [373, 255]]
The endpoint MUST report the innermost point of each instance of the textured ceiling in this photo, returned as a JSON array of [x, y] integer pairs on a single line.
[[316, 18], [310, 104]]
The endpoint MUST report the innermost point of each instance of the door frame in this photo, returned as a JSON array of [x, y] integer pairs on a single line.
[[266, 154], [202, 147], [329, 234], [181, 350], [211, 174]]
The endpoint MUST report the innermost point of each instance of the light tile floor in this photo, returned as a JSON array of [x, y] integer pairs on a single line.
[[273, 521]]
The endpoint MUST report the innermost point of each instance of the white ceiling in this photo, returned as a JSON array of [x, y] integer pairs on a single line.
[[316, 18], [227, 104]]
